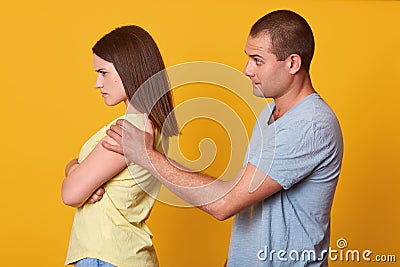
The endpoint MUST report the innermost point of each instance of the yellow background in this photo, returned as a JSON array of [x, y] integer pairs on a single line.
[[49, 109]]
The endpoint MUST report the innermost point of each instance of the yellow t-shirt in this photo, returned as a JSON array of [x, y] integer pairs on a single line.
[[113, 229]]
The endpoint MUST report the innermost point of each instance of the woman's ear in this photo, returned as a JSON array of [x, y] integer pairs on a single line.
[[294, 63]]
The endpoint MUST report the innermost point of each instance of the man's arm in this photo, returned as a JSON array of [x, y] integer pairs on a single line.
[[221, 199]]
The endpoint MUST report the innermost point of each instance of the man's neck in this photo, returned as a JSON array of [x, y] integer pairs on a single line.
[[293, 96]]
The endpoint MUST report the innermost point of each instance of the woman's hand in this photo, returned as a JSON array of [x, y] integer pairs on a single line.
[[71, 166], [97, 195]]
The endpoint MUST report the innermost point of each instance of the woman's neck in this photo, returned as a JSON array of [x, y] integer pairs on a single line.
[[130, 109]]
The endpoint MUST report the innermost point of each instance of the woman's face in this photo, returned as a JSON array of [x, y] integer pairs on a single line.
[[109, 82]]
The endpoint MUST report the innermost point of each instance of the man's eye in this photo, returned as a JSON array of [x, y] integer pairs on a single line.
[[258, 61], [102, 72]]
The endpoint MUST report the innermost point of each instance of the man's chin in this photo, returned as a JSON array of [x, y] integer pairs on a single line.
[[257, 92]]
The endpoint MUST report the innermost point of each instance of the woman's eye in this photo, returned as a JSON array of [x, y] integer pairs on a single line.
[[102, 72]]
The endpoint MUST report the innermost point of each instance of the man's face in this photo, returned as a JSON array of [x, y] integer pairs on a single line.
[[270, 77]]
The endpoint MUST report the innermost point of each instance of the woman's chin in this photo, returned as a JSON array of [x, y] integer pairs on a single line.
[[109, 103]]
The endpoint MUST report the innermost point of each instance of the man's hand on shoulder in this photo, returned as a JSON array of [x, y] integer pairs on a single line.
[[130, 141]]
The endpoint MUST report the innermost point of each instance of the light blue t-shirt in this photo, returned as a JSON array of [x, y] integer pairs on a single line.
[[302, 151]]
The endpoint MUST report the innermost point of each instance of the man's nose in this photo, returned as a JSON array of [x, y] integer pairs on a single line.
[[248, 70]]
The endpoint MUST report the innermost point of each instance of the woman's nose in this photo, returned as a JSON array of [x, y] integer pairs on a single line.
[[99, 82]]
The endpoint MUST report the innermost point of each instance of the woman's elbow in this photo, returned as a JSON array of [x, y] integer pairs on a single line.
[[69, 198], [70, 201]]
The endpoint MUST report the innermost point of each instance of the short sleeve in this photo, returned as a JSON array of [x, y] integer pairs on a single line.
[[291, 154], [135, 119]]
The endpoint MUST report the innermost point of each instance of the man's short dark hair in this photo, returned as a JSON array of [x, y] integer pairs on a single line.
[[289, 33]]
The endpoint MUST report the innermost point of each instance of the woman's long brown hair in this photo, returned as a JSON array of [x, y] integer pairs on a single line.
[[136, 58]]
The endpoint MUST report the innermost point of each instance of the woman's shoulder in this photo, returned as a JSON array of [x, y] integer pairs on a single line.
[[137, 119]]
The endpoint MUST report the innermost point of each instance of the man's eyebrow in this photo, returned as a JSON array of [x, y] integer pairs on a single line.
[[253, 55], [98, 70]]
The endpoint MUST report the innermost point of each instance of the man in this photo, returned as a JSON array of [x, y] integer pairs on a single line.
[[283, 195]]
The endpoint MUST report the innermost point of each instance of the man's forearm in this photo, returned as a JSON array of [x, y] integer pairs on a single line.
[[198, 189], [221, 199]]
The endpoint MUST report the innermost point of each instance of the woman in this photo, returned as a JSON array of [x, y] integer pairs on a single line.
[[112, 231]]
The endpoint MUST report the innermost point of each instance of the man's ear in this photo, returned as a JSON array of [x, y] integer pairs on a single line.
[[294, 61]]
